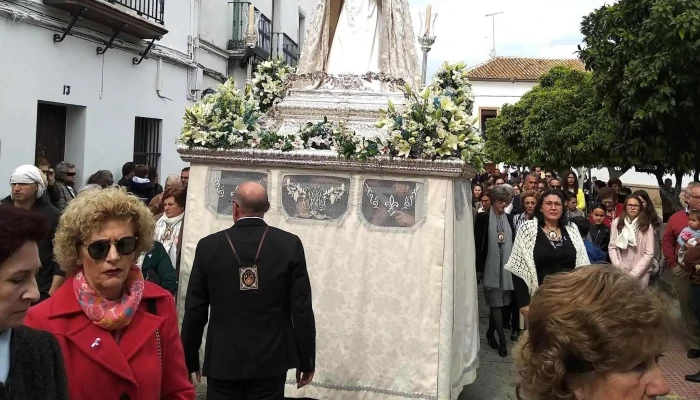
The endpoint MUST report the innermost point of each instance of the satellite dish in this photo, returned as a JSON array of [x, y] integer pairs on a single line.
[[492, 54]]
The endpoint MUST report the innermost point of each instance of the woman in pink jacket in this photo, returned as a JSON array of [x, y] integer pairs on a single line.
[[632, 240]]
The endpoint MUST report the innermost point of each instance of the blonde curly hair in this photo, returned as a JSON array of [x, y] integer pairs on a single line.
[[595, 318], [84, 216]]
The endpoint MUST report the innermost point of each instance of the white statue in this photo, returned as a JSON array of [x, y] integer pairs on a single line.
[[359, 36]]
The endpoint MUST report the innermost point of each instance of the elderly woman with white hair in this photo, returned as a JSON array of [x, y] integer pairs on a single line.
[[28, 187], [156, 205], [494, 235]]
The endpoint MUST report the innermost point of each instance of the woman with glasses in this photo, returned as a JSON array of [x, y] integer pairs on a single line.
[[545, 245], [632, 240], [608, 198], [118, 333], [494, 235]]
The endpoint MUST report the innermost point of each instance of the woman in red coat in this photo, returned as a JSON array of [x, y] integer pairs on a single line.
[[118, 333]]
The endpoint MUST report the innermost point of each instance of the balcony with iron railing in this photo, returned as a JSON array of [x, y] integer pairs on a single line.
[[144, 19], [286, 48], [236, 45]]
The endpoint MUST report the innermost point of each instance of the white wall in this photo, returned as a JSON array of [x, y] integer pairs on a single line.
[[179, 22], [496, 94], [112, 91], [215, 22]]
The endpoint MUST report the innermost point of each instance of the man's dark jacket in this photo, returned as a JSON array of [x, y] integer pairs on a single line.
[[49, 267], [252, 334]]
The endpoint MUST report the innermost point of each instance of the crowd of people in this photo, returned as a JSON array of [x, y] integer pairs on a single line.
[[530, 226], [91, 276], [87, 306]]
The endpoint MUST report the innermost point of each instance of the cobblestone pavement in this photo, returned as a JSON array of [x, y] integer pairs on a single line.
[[497, 377]]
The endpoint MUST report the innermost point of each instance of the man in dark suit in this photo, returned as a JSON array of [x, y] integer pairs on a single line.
[[262, 323]]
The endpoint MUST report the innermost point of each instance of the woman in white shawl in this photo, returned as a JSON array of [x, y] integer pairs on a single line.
[[169, 226], [545, 245]]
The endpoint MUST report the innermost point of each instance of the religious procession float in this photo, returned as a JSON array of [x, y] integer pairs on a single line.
[[371, 170]]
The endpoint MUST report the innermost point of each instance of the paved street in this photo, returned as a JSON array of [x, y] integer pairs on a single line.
[[496, 377]]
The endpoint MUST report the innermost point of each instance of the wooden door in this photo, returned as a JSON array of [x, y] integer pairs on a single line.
[[51, 132]]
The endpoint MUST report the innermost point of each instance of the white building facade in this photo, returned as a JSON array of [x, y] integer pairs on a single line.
[[63, 100], [504, 80]]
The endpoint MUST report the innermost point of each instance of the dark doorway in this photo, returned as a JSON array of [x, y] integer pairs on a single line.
[[51, 132]]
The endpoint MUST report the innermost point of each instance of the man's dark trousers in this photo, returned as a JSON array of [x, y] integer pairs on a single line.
[[246, 389]]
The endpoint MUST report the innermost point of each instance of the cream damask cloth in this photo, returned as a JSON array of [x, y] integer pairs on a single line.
[[397, 47], [396, 309]]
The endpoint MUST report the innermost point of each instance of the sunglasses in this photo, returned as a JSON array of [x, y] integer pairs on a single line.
[[99, 249], [71, 173], [556, 187]]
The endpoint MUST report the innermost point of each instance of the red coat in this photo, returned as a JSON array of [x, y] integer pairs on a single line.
[[130, 369]]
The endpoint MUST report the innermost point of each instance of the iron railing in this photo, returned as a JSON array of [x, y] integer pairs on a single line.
[[285, 48], [240, 26], [147, 141], [151, 9]]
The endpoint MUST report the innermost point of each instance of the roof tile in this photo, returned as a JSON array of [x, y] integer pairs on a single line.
[[518, 69]]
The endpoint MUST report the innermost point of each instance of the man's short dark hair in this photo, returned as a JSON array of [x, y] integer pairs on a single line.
[[128, 168], [582, 224], [570, 195], [141, 171], [186, 169]]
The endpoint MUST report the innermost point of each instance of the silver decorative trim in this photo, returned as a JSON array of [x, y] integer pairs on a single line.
[[313, 198], [344, 388], [328, 161], [345, 81]]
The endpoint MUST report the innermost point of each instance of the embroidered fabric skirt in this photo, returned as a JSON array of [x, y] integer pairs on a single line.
[[496, 297]]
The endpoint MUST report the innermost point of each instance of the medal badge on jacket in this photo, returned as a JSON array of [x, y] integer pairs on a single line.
[[501, 237], [248, 276]]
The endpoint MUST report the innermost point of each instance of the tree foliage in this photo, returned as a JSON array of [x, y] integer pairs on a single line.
[[558, 124], [645, 58]]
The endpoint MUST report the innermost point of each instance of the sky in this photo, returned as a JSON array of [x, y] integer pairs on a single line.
[[527, 28]]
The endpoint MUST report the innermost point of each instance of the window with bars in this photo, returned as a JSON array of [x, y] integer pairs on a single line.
[[147, 141]]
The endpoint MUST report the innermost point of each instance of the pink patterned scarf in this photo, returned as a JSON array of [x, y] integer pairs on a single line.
[[110, 314]]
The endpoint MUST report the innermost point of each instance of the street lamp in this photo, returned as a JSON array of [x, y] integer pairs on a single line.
[[426, 37]]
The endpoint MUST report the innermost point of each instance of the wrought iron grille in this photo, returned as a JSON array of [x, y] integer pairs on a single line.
[[147, 141], [240, 26], [151, 9], [286, 48]]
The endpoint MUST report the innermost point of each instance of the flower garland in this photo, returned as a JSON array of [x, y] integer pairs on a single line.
[[268, 83], [224, 119], [435, 122]]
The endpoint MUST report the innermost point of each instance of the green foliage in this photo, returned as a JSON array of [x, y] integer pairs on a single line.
[[645, 58], [557, 124]]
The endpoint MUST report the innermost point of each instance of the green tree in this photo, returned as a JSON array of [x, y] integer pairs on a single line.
[[645, 58], [558, 124]]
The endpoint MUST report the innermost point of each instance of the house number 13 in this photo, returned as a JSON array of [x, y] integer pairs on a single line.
[[66, 90]]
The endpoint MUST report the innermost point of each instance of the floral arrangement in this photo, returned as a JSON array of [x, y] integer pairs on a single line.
[[268, 83], [224, 119], [452, 80], [436, 123]]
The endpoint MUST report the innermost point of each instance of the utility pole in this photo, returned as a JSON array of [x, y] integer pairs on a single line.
[[493, 35]]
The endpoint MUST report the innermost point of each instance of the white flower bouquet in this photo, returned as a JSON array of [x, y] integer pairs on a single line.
[[224, 119], [268, 84]]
